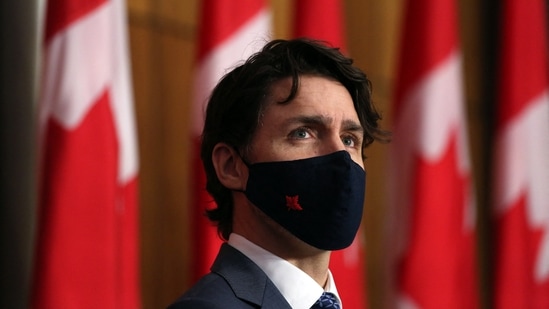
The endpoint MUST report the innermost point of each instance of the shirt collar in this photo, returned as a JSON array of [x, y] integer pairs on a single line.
[[298, 288]]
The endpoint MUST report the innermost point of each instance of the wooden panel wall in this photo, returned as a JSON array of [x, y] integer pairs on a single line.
[[372, 28], [162, 38], [162, 47]]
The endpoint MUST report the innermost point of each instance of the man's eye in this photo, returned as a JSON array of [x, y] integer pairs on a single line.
[[349, 141], [299, 134]]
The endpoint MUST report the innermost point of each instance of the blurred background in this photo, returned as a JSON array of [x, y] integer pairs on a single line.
[[163, 45]]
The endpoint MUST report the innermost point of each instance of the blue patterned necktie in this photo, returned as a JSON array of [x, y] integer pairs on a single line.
[[327, 300]]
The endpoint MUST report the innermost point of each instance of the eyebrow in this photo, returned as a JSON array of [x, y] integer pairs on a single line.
[[353, 126], [348, 124]]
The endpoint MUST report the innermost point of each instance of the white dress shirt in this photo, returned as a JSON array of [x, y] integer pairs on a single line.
[[299, 289]]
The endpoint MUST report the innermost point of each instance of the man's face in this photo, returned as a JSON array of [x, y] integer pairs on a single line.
[[320, 120]]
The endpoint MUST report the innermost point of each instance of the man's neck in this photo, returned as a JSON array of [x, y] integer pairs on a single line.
[[316, 268], [310, 260], [270, 236]]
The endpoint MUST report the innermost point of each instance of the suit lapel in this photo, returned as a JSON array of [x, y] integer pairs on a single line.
[[247, 280]]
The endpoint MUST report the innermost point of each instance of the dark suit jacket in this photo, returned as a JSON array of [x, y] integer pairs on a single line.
[[234, 282]]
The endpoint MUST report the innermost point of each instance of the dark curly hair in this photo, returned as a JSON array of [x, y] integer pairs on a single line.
[[235, 105]]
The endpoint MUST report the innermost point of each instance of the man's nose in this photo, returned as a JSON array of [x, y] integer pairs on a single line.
[[333, 144]]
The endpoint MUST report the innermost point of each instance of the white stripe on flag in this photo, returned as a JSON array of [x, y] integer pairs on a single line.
[[122, 96], [80, 52], [526, 166], [254, 34], [542, 263], [432, 111], [524, 169], [439, 99]]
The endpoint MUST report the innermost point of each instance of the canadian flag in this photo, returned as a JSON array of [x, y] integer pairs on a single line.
[[229, 32], [324, 20], [432, 200], [87, 254], [521, 170]]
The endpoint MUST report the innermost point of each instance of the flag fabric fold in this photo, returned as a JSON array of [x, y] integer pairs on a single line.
[[432, 211], [521, 152], [228, 33], [87, 253]]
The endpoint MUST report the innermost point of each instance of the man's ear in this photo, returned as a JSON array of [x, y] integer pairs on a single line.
[[229, 167]]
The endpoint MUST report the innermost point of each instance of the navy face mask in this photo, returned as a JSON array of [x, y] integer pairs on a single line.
[[319, 200]]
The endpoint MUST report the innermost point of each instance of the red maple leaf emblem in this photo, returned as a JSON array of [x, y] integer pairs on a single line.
[[292, 203]]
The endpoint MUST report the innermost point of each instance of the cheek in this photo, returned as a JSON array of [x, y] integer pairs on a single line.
[[264, 150], [358, 160]]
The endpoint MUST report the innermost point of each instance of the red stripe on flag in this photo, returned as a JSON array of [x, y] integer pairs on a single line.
[[76, 261], [221, 21], [205, 240], [87, 253], [429, 36], [523, 50], [320, 19], [521, 206], [436, 249], [128, 257], [519, 245], [61, 13], [438, 270], [222, 18]]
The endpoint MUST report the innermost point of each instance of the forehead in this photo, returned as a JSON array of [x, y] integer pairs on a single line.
[[313, 92]]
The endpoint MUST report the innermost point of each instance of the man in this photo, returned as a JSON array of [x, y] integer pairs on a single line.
[[283, 152]]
